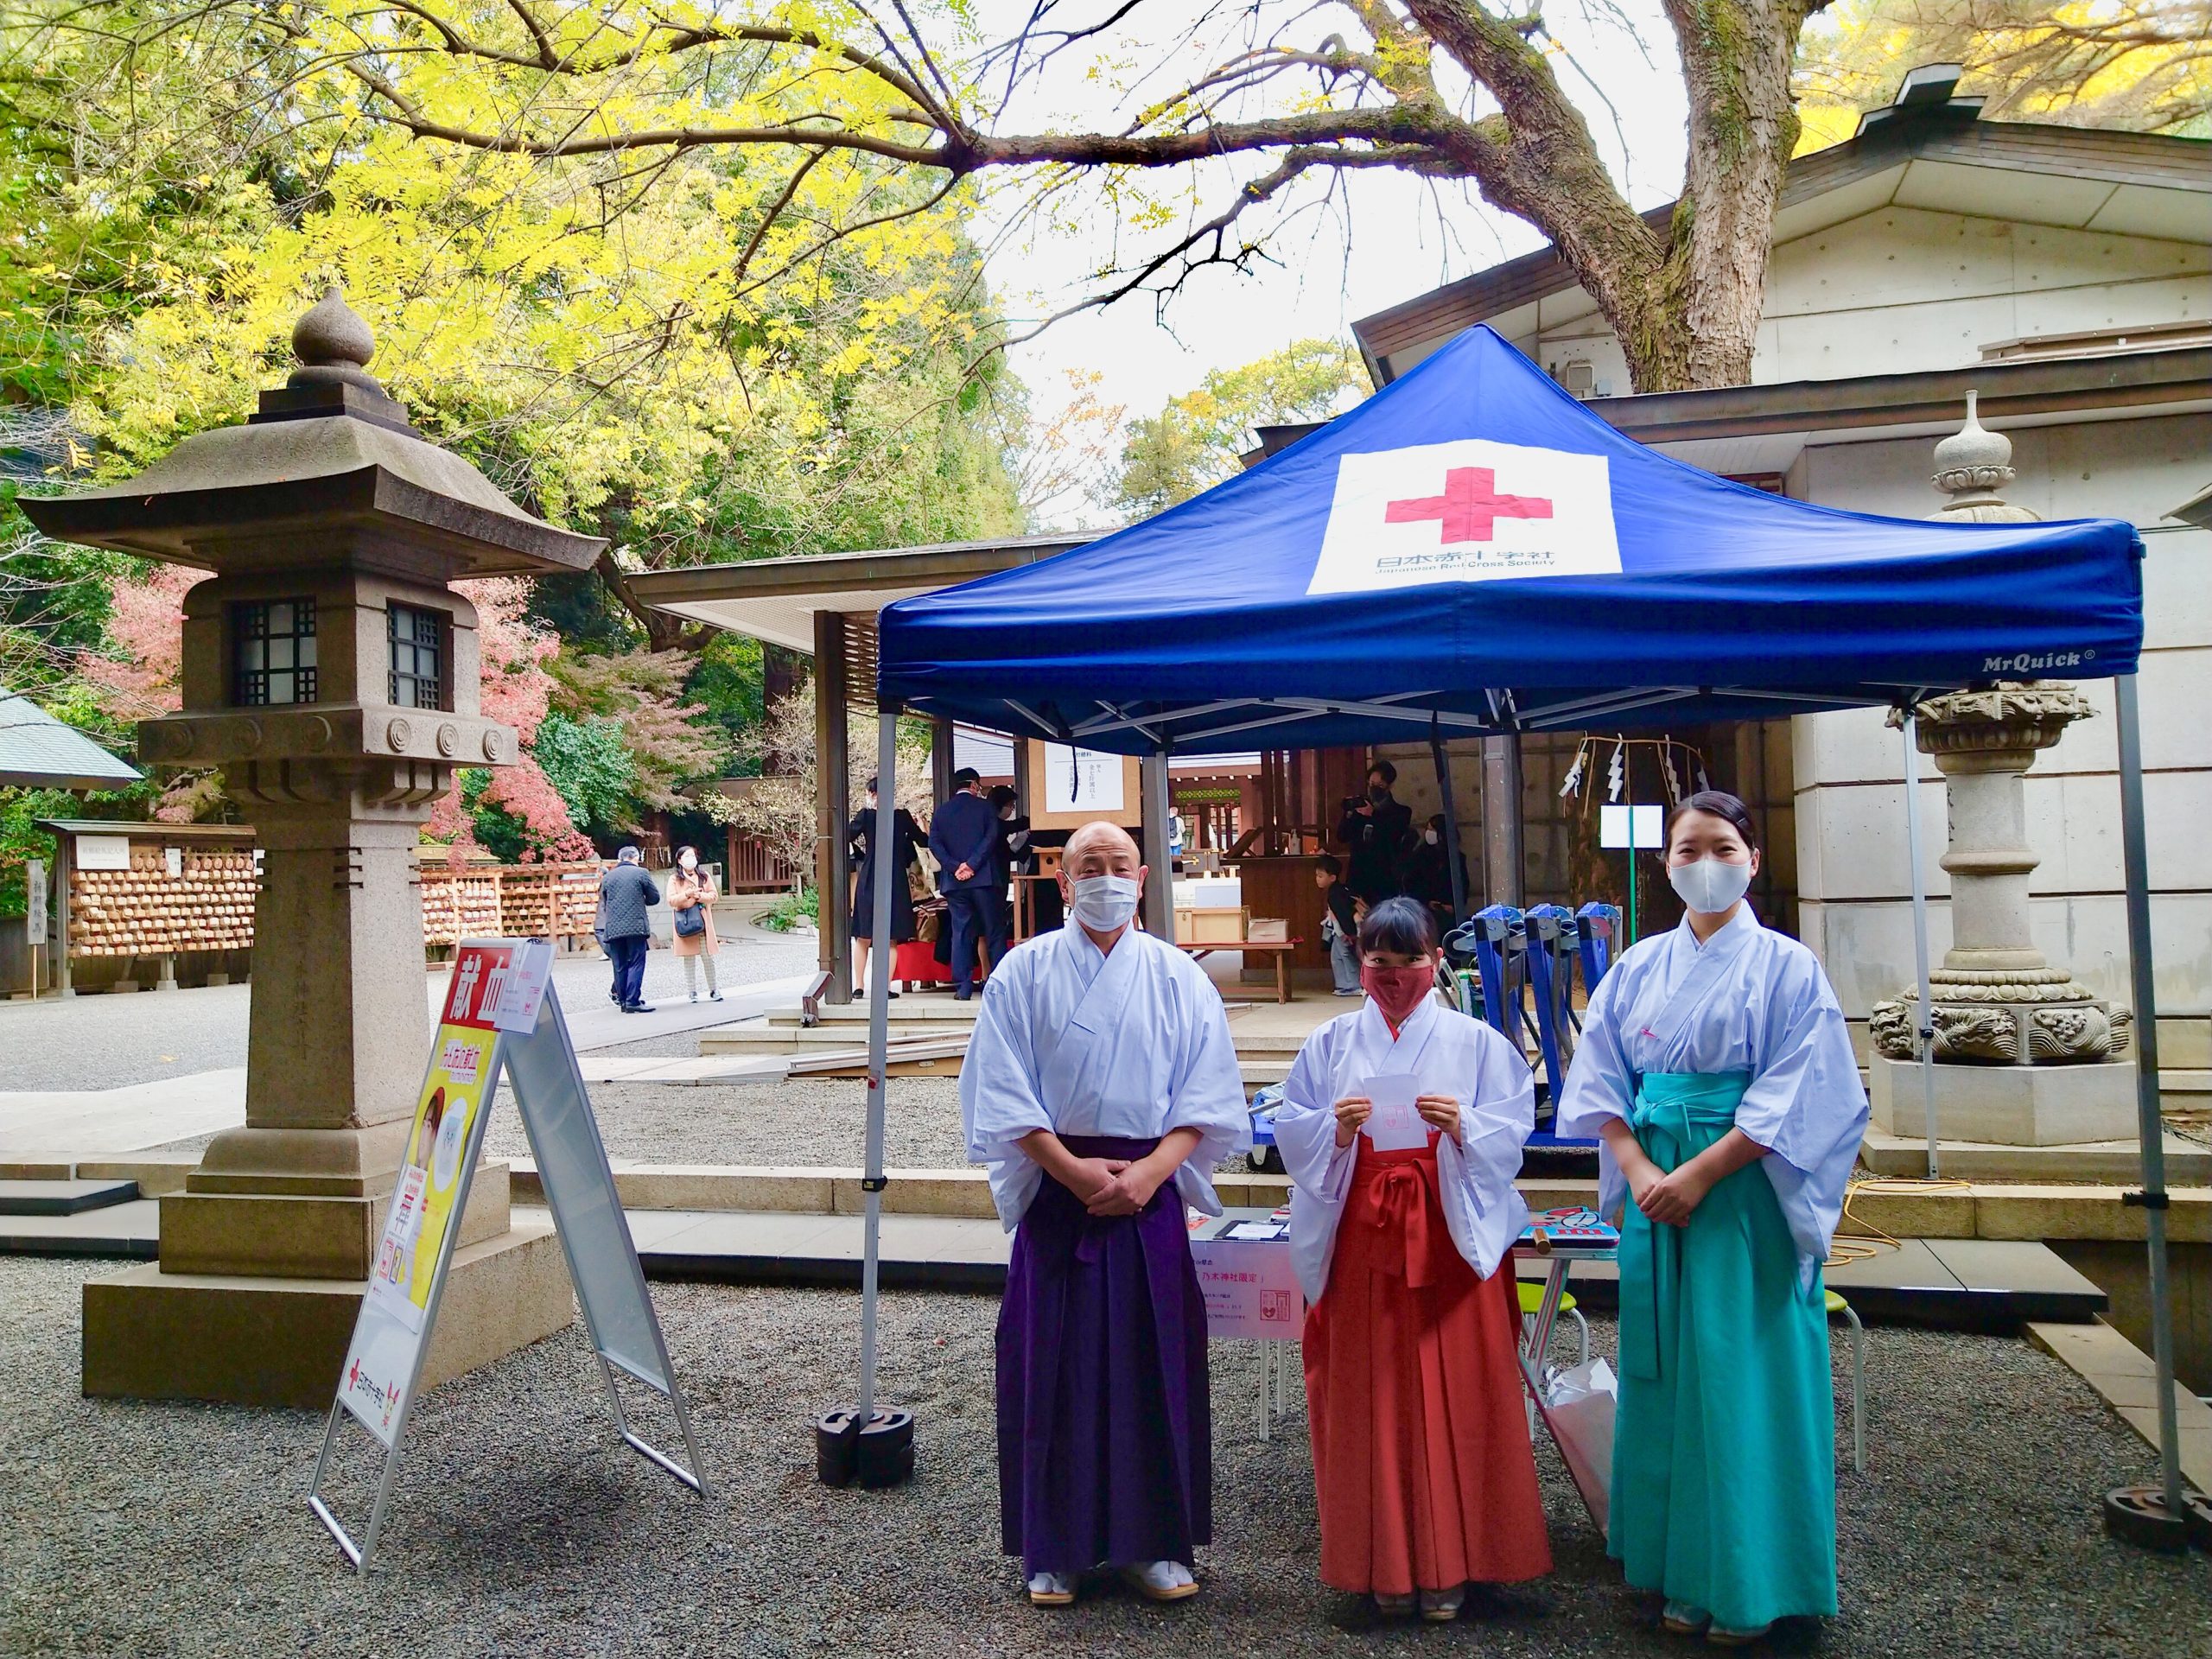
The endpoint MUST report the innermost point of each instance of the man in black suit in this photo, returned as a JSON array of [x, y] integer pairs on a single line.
[[964, 838]]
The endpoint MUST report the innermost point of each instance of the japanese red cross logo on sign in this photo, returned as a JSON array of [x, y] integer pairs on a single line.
[[1469, 510]]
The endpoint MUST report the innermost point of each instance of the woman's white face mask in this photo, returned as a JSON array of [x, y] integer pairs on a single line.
[[688, 861], [1711, 885]]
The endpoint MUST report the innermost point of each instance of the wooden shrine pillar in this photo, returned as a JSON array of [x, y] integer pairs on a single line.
[[833, 803]]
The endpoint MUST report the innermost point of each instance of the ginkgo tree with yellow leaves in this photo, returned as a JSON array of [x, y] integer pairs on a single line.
[[701, 358]]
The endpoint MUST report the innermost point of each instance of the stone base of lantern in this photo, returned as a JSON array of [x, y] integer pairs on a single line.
[[254, 1299], [2007, 1105], [151, 1334]]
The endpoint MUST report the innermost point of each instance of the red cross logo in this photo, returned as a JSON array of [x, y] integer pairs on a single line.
[[1469, 508]]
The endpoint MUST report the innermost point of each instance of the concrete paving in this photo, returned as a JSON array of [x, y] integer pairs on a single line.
[[65, 1042]]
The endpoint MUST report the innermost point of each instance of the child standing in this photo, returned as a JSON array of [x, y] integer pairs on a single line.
[[1421, 1459], [1339, 924]]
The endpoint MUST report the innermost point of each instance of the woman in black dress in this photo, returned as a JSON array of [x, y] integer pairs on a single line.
[[906, 839]]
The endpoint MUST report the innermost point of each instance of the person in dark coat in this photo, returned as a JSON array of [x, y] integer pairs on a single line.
[[626, 893], [906, 837], [1428, 875], [1378, 830], [965, 840]]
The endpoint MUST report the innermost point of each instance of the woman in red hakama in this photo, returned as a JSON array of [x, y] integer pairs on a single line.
[[1421, 1459]]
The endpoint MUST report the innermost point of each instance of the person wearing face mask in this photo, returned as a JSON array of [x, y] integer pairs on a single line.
[[1422, 1459], [691, 898], [1100, 1088], [1715, 1067], [1428, 876], [859, 836], [1378, 830]]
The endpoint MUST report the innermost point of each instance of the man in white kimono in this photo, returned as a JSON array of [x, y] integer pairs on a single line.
[[1100, 1087]]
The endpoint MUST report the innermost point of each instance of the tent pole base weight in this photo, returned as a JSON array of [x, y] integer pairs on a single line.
[[879, 1453], [2139, 1515]]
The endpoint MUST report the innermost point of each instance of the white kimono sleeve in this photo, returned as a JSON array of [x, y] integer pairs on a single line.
[[1319, 1169], [1209, 1095], [1483, 1208], [1600, 1084], [1806, 1107], [1001, 1098]]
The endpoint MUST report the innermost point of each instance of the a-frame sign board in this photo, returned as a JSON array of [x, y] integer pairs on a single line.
[[500, 1014]]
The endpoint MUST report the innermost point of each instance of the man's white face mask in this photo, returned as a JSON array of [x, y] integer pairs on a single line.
[[1105, 902], [1711, 885]]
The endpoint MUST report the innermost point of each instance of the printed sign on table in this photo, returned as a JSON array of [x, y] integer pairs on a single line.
[[1251, 1287], [425, 1203]]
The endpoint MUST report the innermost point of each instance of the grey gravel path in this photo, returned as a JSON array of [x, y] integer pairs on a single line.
[[134, 1529], [804, 1121]]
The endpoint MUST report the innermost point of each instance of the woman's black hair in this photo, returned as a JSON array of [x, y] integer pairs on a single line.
[[1717, 803], [1402, 926], [871, 785], [1003, 795]]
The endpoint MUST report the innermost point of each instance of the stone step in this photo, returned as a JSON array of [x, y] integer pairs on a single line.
[[2099, 1163], [62, 1198]]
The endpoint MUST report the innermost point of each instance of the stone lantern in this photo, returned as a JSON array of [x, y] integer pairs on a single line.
[[330, 673], [2021, 1040]]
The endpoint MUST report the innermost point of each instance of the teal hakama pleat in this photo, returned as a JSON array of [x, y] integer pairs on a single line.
[[1724, 1448]]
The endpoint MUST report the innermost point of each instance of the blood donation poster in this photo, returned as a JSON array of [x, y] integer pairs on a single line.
[[426, 1204]]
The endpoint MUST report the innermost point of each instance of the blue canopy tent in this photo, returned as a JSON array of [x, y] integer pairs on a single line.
[[1471, 550]]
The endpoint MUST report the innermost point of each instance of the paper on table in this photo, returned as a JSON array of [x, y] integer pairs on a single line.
[[1393, 1125]]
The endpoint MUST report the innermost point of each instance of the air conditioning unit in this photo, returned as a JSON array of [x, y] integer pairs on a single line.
[[1579, 377]]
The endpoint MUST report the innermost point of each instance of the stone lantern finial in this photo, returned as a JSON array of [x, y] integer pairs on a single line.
[[1970, 466], [333, 346]]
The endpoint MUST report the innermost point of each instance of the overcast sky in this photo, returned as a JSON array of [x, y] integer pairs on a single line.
[[1385, 246]]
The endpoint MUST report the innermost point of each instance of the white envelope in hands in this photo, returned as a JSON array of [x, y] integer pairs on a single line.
[[1393, 1125]]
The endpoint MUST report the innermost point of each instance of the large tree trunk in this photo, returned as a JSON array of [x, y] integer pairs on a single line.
[[1735, 58]]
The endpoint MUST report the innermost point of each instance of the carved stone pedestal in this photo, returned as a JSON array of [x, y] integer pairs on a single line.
[[2025, 1056]]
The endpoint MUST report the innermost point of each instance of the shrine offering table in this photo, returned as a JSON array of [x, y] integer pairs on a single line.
[[1281, 954]]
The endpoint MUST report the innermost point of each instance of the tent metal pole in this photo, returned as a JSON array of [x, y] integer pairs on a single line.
[[2152, 1198], [1160, 889], [1923, 1036], [885, 848], [1455, 861]]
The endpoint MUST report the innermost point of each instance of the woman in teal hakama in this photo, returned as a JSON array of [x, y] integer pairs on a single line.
[[1705, 1052]]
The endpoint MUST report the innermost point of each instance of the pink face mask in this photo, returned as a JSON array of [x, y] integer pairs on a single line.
[[1398, 991]]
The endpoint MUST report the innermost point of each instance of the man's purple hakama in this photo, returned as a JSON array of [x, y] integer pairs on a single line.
[[1105, 1429]]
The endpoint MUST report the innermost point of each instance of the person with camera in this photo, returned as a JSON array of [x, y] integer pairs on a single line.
[[1378, 828]]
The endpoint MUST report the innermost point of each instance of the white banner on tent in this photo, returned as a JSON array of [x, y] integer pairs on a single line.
[[500, 1012], [1472, 509]]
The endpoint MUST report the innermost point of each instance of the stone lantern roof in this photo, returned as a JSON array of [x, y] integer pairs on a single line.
[[329, 445]]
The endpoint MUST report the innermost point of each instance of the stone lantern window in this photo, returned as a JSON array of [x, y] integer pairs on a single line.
[[275, 652], [417, 639]]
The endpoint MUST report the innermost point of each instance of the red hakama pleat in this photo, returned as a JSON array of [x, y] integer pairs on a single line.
[[1421, 1457]]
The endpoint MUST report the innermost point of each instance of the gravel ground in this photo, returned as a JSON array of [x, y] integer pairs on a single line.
[[520, 1527], [806, 1121]]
